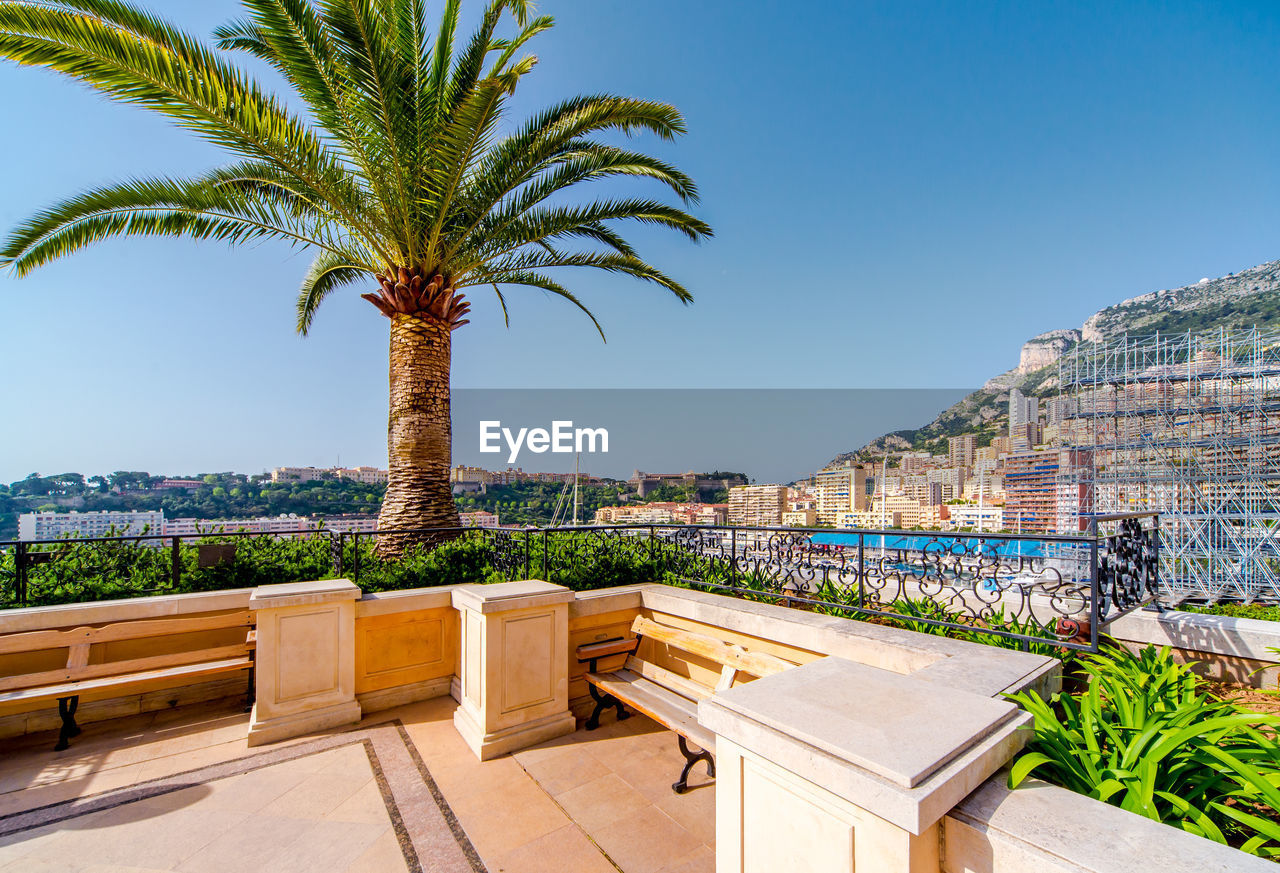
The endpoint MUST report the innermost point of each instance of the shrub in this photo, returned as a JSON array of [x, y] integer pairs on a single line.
[[456, 562], [1143, 737], [1237, 610]]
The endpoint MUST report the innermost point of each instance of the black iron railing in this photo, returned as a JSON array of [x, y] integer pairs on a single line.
[[1028, 591]]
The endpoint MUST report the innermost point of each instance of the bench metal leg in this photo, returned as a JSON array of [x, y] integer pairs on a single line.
[[250, 695], [603, 702], [67, 711], [691, 758]]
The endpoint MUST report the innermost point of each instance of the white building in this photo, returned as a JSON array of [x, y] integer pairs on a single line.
[[1023, 410], [57, 525], [278, 524], [980, 518]]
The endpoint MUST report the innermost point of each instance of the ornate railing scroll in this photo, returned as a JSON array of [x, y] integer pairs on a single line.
[[1128, 563], [1022, 589]]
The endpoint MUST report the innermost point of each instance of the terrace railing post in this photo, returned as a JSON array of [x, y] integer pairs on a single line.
[[335, 551], [355, 557], [20, 579], [546, 555], [862, 568], [1155, 564], [653, 545], [733, 556], [1095, 586], [528, 552], [175, 562]]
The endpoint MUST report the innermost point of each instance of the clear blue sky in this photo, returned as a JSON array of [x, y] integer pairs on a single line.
[[902, 193]]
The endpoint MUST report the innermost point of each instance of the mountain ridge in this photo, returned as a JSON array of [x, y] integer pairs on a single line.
[[1240, 300]]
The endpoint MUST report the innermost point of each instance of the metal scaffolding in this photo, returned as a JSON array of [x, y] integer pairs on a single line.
[[1187, 425]]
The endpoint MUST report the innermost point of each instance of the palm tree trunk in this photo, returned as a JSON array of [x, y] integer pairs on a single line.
[[419, 433]]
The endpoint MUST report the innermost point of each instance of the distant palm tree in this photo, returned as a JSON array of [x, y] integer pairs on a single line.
[[400, 174]]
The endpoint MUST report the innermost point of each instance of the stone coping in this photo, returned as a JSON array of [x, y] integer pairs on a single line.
[[985, 670], [505, 596], [410, 600], [1053, 828], [1216, 634], [31, 618], [288, 594], [603, 600], [880, 721]]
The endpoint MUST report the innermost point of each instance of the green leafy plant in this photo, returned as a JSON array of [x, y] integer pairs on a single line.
[[1237, 610], [1143, 736]]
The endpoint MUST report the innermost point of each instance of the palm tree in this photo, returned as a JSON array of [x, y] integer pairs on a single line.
[[401, 175]]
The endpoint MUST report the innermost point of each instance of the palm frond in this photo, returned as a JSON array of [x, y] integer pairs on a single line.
[[397, 157], [329, 272]]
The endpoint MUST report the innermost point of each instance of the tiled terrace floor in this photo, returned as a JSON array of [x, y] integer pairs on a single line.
[[181, 791]]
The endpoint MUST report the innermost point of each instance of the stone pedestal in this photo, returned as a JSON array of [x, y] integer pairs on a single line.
[[305, 674], [841, 767], [514, 665]]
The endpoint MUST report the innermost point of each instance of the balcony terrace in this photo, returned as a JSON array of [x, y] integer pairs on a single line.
[[442, 729]]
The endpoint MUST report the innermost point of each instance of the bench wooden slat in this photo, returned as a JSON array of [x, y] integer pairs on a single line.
[[727, 675], [600, 650], [68, 689], [731, 654], [117, 669], [661, 675], [663, 705], [34, 641]]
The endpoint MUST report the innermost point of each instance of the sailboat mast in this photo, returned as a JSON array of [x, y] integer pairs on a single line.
[[576, 502]]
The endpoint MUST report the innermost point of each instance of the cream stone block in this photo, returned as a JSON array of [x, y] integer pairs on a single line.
[[836, 767], [515, 666], [305, 656], [768, 819]]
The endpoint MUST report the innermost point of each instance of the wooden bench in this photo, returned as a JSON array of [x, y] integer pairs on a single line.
[[664, 695], [89, 672]]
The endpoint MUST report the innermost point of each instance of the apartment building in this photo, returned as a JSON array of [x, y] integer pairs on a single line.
[[1059, 409], [980, 518], [464, 475], [916, 462], [800, 518], [1025, 436], [271, 524], [1022, 410], [950, 482], [1045, 491], [478, 518], [757, 505], [57, 525], [351, 523], [896, 510], [960, 451], [367, 475], [839, 490], [663, 513], [177, 485]]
